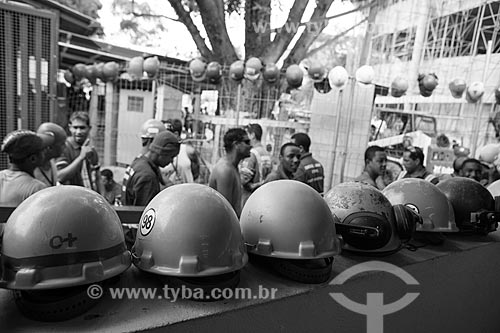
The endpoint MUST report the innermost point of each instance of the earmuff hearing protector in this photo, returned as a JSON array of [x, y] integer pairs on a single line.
[[370, 231]]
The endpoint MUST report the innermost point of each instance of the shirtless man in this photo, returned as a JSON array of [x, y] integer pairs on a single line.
[[225, 177]]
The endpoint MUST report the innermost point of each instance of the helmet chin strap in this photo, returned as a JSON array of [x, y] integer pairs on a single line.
[[312, 271], [54, 305]]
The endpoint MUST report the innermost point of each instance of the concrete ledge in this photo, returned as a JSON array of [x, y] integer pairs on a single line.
[[459, 292]]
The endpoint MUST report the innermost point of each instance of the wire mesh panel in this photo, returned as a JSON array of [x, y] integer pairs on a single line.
[[28, 65], [219, 105]]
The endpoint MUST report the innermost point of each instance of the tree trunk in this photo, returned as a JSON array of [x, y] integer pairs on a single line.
[[257, 27], [213, 18]]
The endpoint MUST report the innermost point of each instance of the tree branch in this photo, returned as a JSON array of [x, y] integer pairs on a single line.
[[215, 25], [288, 31], [154, 16], [185, 18], [316, 25], [333, 39]]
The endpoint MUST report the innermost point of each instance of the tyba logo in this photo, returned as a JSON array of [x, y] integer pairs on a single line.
[[374, 309]]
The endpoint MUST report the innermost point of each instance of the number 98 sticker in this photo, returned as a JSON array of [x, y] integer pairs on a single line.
[[147, 222]]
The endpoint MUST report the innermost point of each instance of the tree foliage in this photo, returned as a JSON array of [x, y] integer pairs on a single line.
[[87, 7], [260, 40]]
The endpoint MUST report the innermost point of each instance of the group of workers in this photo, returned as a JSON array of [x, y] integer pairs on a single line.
[[49, 157]]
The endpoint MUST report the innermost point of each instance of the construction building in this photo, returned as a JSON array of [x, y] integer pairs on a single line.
[[453, 39]]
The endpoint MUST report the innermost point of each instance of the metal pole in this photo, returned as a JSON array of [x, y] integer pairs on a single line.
[[330, 181], [346, 145], [238, 93], [478, 119]]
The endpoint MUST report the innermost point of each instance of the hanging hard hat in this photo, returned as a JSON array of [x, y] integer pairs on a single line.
[[135, 68], [427, 83], [151, 127], [197, 68], [474, 92], [369, 223], [316, 72], [323, 87], [294, 76], [68, 76], [151, 66], [488, 153], [365, 74], [91, 73], [79, 71], [399, 86], [110, 71], [253, 67], [99, 71], [57, 242], [271, 73], [338, 77], [288, 225], [426, 200], [214, 72], [475, 208], [457, 87], [237, 70], [190, 230]]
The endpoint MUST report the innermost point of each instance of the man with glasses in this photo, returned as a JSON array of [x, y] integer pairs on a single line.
[[225, 177], [413, 161]]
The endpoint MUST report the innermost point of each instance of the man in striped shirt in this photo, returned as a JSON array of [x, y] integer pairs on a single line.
[[310, 171]]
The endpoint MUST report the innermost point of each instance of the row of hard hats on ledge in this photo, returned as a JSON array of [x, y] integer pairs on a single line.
[[137, 68], [254, 68], [68, 237]]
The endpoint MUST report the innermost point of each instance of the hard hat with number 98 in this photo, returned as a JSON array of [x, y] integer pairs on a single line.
[[189, 230]]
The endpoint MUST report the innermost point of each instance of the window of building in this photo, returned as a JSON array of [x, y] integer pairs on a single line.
[[135, 104]]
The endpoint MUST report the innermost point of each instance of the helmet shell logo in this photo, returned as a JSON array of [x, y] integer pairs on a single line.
[[147, 222]]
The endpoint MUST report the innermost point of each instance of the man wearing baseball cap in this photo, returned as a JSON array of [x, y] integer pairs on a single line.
[[143, 177], [26, 152]]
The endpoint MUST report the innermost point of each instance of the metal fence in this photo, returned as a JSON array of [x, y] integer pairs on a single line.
[[28, 67]]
